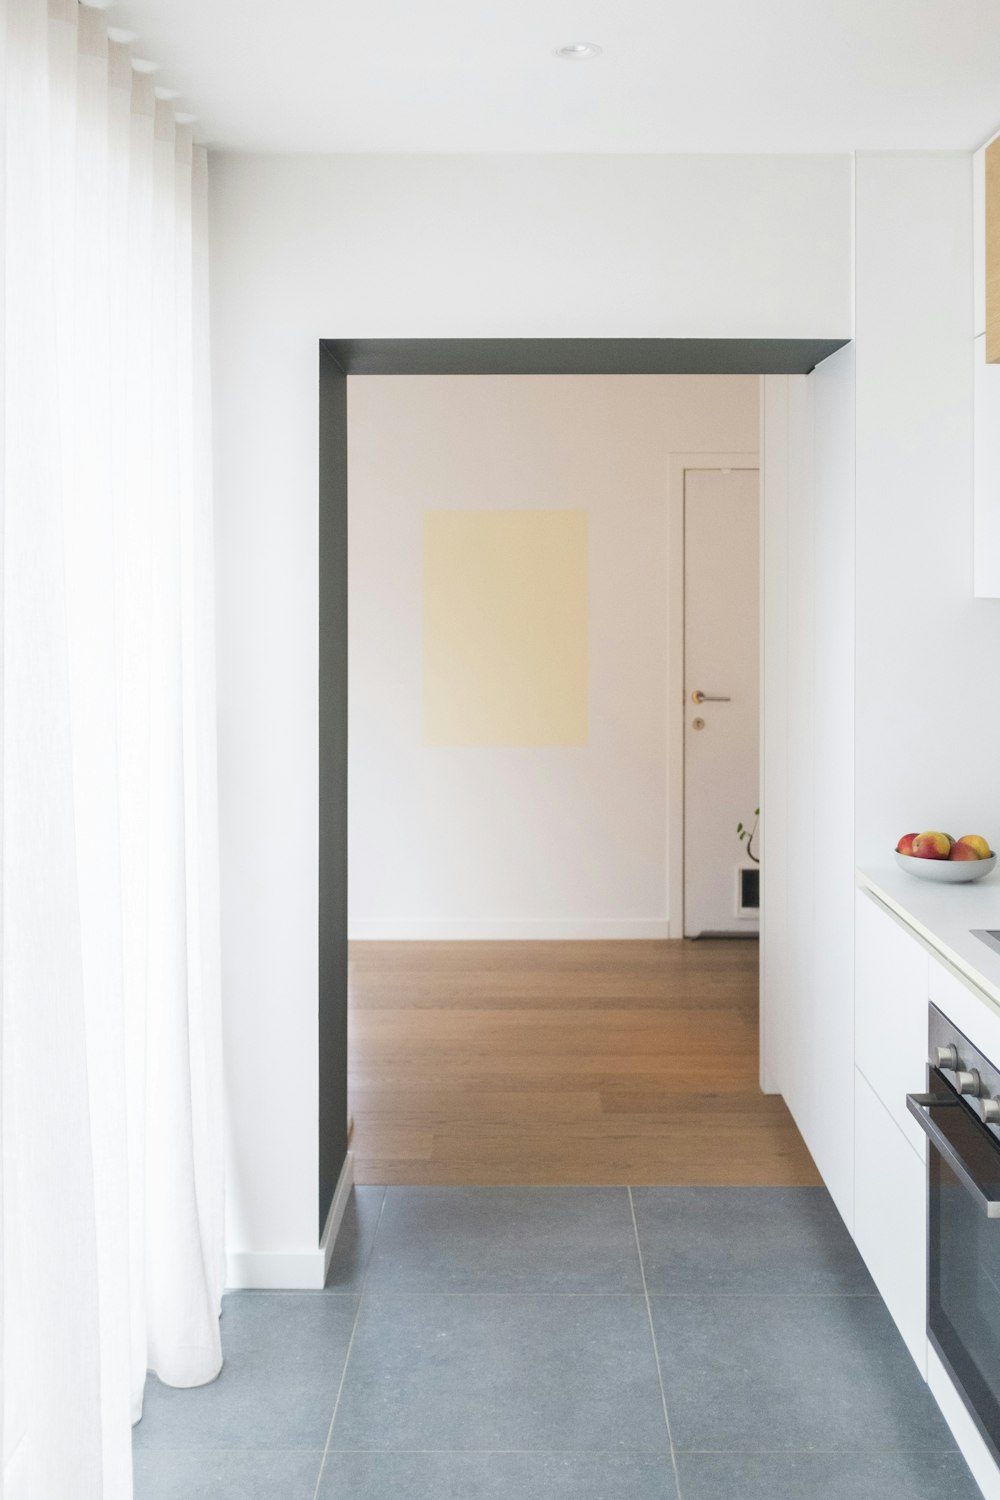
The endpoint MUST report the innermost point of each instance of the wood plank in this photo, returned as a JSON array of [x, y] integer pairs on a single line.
[[588, 1062]]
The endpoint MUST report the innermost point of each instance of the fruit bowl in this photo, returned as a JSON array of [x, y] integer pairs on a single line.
[[946, 871]]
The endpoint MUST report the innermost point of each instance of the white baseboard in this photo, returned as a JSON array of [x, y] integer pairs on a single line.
[[508, 932], [292, 1270]]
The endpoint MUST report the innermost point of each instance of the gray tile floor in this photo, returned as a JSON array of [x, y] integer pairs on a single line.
[[563, 1344]]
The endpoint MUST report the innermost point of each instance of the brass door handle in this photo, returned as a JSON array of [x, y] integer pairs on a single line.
[[699, 697]]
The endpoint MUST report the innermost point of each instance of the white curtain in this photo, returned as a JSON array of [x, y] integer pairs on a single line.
[[111, 1231]]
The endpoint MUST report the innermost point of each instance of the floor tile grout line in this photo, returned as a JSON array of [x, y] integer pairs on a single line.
[[371, 1251], [656, 1352], [371, 1254], [664, 1296], [627, 1453], [598, 1452], [508, 1452], [808, 1452], [336, 1404], [350, 1346]]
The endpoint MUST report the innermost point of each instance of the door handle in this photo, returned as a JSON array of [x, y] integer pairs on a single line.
[[699, 697]]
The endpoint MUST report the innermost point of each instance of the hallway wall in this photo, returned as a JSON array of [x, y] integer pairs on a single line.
[[524, 839], [807, 855]]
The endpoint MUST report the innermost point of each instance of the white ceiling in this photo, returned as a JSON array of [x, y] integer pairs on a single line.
[[480, 75]]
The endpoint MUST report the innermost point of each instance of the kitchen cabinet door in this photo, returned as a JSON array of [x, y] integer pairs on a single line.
[[974, 1014], [890, 1012], [890, 1217], [986, 474], [986, 448]]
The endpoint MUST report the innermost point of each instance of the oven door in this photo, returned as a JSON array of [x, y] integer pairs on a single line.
[[963, 1253]]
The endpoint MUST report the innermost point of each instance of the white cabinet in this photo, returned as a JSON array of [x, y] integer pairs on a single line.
[[890, 1216], [890, 1053], [979, 240], [986, 473], [986, 419], [890, 1012], [965, 1008], [896, 975]]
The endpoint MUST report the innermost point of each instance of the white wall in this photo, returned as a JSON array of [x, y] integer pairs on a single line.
[[602, 246], [808, 792], [520, 842], [309, 247], [928, 652]]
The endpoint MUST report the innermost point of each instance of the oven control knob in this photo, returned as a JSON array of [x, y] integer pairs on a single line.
[[969, 1083], [946, 1057], [989, 1110]]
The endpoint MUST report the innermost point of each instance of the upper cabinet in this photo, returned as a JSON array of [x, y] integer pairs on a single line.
[[986, 474], [979, 239], [986, 364], [991, 243]]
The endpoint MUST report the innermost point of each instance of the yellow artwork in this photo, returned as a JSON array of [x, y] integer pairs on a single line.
[[505, 627]]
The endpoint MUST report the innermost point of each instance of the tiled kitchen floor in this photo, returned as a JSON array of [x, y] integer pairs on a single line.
[[563, 1344]]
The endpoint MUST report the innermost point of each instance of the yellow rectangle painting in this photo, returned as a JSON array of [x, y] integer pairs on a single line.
[[505, 627]]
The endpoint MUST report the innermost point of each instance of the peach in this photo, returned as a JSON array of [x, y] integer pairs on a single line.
[[978, 843], [962, 850], [905, 845], [931, 846]]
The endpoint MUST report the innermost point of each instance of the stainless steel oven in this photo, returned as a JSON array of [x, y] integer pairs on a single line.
[[960, 1113]]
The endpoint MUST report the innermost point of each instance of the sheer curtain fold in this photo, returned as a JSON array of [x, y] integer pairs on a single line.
[[111, 1215]]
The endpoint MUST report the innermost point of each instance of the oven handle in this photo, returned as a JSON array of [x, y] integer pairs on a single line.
[[946, 1135]]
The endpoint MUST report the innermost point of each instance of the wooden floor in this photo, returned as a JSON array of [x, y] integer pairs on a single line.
[[540, 1062]]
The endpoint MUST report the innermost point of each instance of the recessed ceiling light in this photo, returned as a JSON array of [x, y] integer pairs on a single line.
[[578, 51]]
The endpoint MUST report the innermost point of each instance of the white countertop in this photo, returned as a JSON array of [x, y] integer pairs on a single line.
[[943, 916]]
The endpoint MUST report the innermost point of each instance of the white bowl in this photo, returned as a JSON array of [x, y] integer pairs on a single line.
[[947, 871]]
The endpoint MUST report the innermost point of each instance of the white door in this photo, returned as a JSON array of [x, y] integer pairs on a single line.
[[721, 736]]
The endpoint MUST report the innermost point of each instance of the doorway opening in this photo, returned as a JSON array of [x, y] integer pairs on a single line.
[[715, 694], [625, 1103]]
